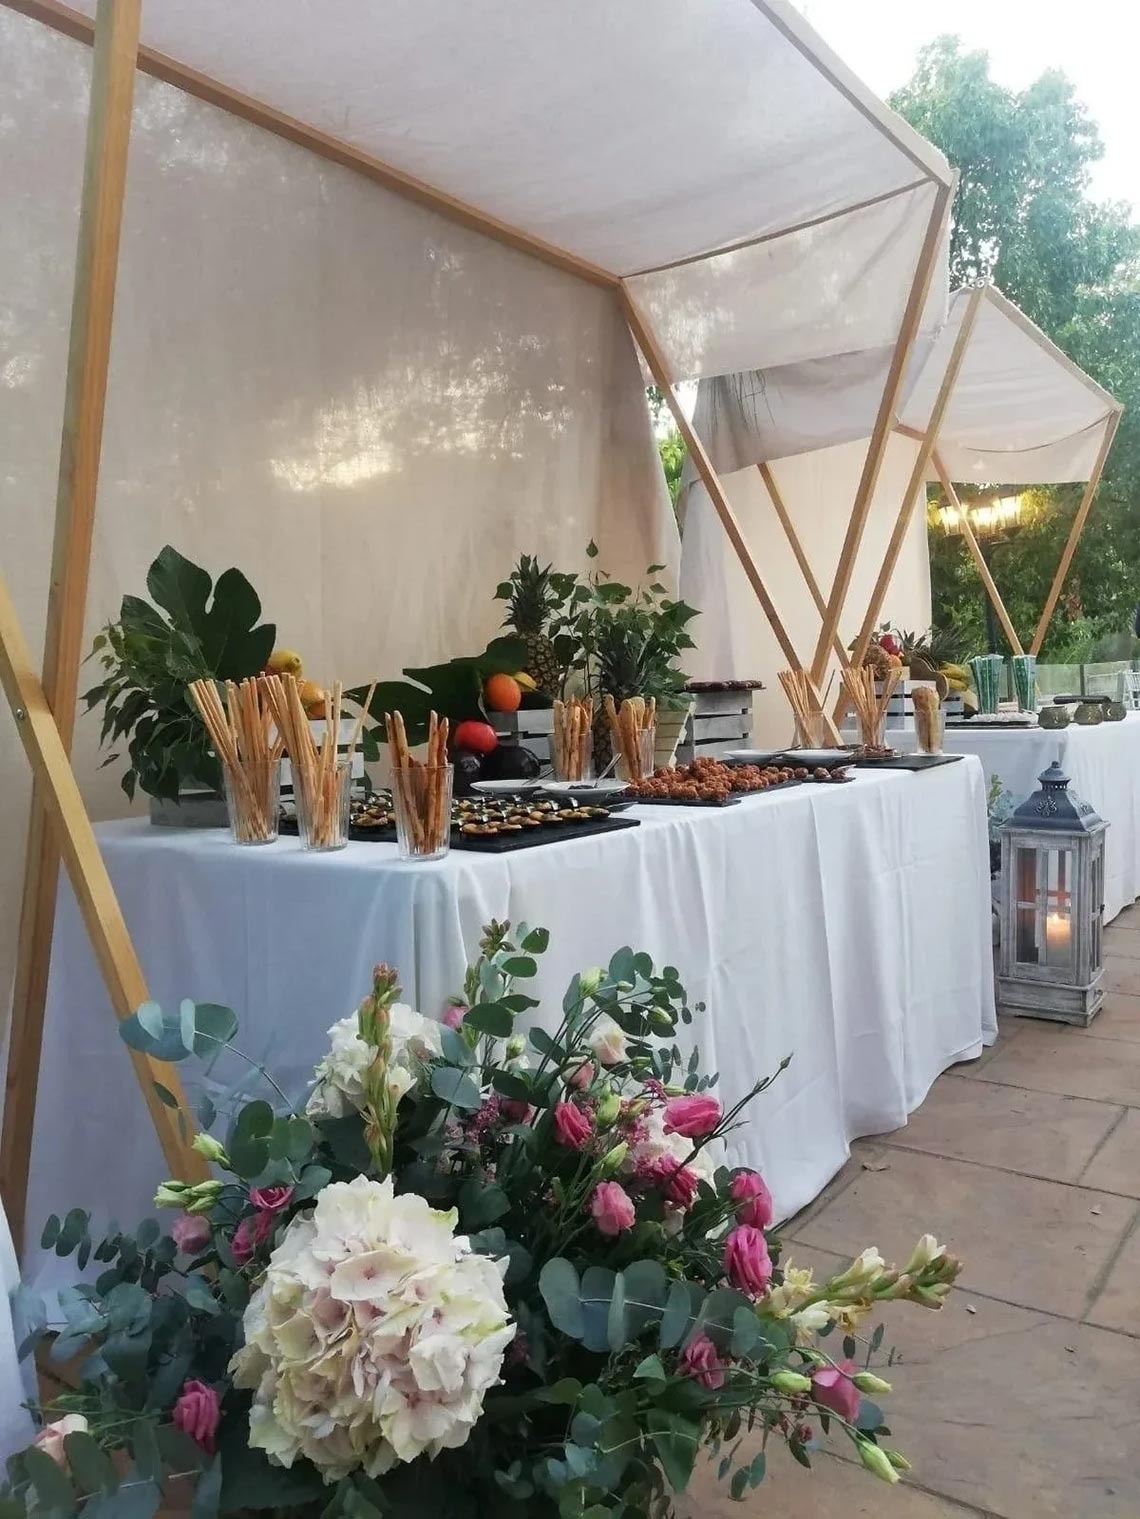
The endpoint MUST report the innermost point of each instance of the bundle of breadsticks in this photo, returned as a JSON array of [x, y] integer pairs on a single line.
[[629, 723], [420, 790], [242, 734], [573, 738], [869, 704], [803, 698], [927, 711], [320, 774]]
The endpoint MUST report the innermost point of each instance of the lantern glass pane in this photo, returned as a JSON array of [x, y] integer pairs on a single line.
[[1026, 879], [1059, 886], [1027, 936]]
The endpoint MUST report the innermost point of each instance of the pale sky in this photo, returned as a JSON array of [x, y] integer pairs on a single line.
[[1095, 42]]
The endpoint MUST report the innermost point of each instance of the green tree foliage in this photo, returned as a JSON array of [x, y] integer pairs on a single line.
[[1023, 218]]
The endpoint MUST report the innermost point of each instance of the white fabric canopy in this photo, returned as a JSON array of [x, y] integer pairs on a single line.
[[651, 143], [846, 974], [1020, 413]]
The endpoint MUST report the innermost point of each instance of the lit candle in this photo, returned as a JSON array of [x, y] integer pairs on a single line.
[[1057, 932]]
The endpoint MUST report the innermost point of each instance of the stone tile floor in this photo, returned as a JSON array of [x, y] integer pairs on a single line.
[[1021, 1399]]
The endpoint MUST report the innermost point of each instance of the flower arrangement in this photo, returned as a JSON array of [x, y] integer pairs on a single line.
[[480, 1269]]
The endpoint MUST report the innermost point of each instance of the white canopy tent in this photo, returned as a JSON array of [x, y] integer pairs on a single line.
[[989, 400], [511, 186]]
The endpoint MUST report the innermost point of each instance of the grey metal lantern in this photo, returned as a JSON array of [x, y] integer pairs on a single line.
[[1052, 871]]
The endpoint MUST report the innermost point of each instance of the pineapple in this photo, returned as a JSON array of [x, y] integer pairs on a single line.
[[531, 598]]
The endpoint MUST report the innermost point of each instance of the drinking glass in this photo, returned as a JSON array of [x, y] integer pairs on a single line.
[[421, 800]]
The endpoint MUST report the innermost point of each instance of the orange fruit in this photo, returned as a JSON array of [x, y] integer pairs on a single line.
[[502, 693]]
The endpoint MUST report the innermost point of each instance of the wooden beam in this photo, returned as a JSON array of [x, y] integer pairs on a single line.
[[74, 24], [102, 916], [658, 367], [797, 549], [100, 217], [1112, 421], [978, 557], [880, 436], [909, 432], [916, 485]]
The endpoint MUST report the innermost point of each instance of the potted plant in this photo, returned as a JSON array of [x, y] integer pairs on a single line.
[[630, 643], [149, 656]]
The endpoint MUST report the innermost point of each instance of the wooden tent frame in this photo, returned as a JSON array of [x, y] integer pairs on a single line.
[[46, 708]]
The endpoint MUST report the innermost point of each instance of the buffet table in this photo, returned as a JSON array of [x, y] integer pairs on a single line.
[[846, 925], [1101, 761]]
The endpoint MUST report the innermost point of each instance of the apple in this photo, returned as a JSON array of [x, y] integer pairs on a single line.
[[890, 643], [475, 738]]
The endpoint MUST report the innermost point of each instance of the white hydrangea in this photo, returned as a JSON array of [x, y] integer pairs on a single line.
[[374, 1336], [338, 1079]]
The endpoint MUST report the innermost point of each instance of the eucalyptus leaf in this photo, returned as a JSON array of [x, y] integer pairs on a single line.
[[455, 1087], [559, 1286]]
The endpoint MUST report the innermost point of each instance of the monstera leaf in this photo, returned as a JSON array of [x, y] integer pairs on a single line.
[[454, 690]]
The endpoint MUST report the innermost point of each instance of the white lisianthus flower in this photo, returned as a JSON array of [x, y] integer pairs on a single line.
[[607, 1040], [798, 1285], [374, 1336], [924, 1253], [339, 1078]]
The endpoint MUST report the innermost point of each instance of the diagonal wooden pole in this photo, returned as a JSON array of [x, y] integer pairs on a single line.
[[1111, 423], [916, 485], [98, 906], [100, 219], [797, 549], [880, 436], [659, 369], [978, 557]]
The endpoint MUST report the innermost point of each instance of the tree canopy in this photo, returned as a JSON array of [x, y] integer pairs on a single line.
[[1023, 217]]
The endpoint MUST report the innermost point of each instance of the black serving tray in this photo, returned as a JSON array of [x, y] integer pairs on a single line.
[[687, 801], [530, 838], [907, 761]]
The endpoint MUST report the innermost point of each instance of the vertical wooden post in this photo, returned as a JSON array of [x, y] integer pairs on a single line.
[[659, 369], [978, 557], [797, 549], [96, 264], [880, 437], [98, 904], [916, 485], [1111, 423]]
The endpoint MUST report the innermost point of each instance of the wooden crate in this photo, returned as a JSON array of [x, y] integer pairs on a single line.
[[533, 730], [900, 708], [720, 721]]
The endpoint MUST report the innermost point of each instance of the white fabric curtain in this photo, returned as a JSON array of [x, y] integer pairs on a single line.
[[734, 640], [368, 409]]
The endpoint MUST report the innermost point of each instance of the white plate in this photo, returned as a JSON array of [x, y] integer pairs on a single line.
[[753, 756], [581, 791], [506, 788]]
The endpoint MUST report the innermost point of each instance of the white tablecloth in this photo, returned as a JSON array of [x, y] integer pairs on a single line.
[[17, 1382], [1103, 765], [846, 925]]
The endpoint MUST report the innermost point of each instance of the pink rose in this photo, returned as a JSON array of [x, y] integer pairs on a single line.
[[250, 1235], [612, 1208], [700, 1361], [191, 1232], [197, 1413], [516, 1110], [581, 1077], [753, 1201], [832, 1387], [271, 1199], [50, 1439], [572, 1125], [678, 1183], [747, 1263], [692, 1116], [454, 1013]]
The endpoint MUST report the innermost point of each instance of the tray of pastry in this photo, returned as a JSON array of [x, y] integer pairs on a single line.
[[491, 826], [711, 783]]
